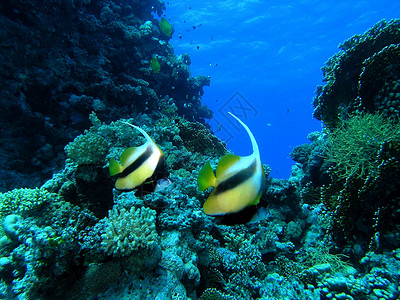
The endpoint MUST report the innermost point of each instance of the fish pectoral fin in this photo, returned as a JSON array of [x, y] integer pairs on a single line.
[[114, 167], [126, 154], [206, 177], [225, 162]]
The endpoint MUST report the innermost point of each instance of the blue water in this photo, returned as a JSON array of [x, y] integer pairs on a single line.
[[265, 59]]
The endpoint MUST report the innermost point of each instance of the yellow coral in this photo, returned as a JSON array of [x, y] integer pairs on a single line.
[[155, 65]]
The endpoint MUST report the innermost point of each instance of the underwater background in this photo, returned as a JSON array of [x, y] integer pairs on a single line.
[[271, 53], [77, 223]]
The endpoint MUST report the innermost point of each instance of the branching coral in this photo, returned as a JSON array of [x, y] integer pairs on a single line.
[[20, 200], [86, 149], [127, 231], [214, 294]]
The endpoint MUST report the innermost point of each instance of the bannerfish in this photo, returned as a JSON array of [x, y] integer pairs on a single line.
[[239, 181], [139, 165]]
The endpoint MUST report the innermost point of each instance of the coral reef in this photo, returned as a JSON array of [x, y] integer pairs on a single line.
[[362, 76], [11, 226], [197, 138], [312, 166], [356, 170], [62, 60], [87, 149], [355, 177], [127, 231], [330, 231], [351, 170], [19, 201], [162, 246], [364, 153]]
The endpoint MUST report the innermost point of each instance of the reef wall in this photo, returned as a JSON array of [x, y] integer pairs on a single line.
[[362, 76], [354, 166], [61, 60]]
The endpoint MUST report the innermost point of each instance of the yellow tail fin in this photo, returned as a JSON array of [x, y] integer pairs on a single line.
[[206, 177], [114, 167]]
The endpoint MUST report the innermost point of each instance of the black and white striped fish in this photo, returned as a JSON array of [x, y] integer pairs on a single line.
[[138, 165], [239, 181]]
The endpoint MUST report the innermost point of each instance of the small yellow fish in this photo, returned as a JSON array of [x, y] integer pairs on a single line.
[[137, 164], [166, 27], [155, 65], [239, 181]]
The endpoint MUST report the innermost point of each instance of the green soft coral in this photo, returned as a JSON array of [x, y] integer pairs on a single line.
[[364, 152], [354, 146]]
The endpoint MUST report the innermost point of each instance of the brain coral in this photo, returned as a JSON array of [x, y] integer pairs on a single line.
[[128, 230]]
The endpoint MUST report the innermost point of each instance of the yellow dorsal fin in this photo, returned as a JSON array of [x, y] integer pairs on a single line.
[[126, 155], [206, 177], [114, 167], [225, 162]]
